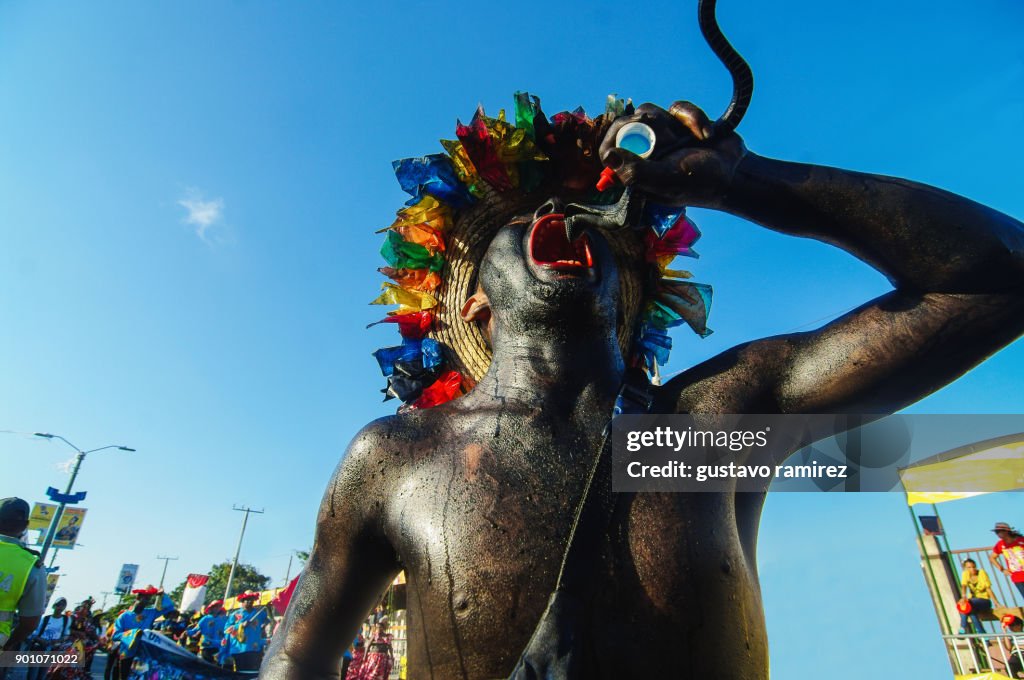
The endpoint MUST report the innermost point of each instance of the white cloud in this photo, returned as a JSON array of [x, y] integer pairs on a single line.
[[202, 214]]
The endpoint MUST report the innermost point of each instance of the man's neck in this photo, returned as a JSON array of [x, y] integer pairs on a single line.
[[558, 371]]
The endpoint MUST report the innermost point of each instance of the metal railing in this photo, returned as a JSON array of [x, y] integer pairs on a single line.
[[983, 652]]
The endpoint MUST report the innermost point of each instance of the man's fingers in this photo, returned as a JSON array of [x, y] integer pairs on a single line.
[[623, 162], [649, 114], [655, 178], [693, 118], [681, 121]]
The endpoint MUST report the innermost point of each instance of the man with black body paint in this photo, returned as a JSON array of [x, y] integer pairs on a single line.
[[474, 499]]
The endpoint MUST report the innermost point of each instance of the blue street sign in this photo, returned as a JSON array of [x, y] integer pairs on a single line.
[[68, 498]]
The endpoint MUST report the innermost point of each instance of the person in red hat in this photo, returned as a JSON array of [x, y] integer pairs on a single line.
[[1011, 548], [210, 630], [140, 617], [244, 632]]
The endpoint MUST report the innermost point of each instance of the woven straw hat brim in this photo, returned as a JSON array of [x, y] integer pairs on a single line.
[[466, 243]]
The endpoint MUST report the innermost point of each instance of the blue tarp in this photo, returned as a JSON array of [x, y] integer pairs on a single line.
[[157, 657]]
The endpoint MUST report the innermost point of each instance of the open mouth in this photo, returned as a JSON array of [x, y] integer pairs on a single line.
[[550, 247]]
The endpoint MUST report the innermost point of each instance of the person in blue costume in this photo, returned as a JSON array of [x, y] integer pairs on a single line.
[[244, 633], [172, 626], [140, 617], [210, 628]]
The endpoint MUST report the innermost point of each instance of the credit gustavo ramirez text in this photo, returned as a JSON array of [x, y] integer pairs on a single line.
[[731, 440], [730, 452]]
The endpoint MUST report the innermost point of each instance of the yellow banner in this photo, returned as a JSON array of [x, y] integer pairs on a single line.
[[67, 530], [42, 514], [265, 597], [51, 585]]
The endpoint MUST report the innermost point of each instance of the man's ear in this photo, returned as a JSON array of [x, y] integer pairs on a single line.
[[477, 308]]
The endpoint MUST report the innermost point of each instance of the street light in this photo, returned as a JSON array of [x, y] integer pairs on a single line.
[[52, 531]]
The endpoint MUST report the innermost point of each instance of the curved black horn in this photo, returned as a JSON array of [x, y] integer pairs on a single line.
[[739, 69]]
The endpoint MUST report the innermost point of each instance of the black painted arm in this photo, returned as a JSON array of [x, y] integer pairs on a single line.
[[957, 268], [350, 566]]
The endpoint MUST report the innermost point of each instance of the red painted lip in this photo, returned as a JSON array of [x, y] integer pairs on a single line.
[[550, 248]]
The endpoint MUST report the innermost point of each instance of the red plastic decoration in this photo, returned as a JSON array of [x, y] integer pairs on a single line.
[[480, 148], [413, 325], [676, 241], [444, 389], [607, 179]]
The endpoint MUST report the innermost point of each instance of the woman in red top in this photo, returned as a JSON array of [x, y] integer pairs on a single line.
[[1011, 547], [379, 660]]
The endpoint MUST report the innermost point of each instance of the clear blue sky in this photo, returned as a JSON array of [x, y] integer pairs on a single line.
[[189, 191]]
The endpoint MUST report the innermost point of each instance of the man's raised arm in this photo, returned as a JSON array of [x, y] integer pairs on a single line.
[[957, 268], [349, 568]]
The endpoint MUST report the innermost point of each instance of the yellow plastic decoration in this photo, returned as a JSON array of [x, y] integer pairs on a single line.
[[408, 300], [428, 211], [464, 168], [663, 262], [676, 274], [512, 145]]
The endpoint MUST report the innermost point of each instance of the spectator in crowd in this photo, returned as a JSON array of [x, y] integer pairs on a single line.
[[244, 633], [112, 647], [82, 641], [358, 654], [26, 592], [187, 620], [85, 630], [53, 631], [1014, 645], [379, 659], [210, 630], [975, 595], [1011, 548], [171, 626], [346, 661]]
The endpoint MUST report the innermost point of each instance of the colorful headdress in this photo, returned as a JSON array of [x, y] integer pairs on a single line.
[[248, 595], [491, 172]]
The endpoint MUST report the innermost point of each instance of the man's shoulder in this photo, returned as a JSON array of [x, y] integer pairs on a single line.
[[399, 437]]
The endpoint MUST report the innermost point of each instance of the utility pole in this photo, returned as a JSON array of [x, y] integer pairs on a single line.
[[289, 572], [105, 594], [238, 550], [166, 560]]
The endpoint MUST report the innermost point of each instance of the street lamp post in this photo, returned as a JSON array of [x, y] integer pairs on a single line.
[[52, 531]]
